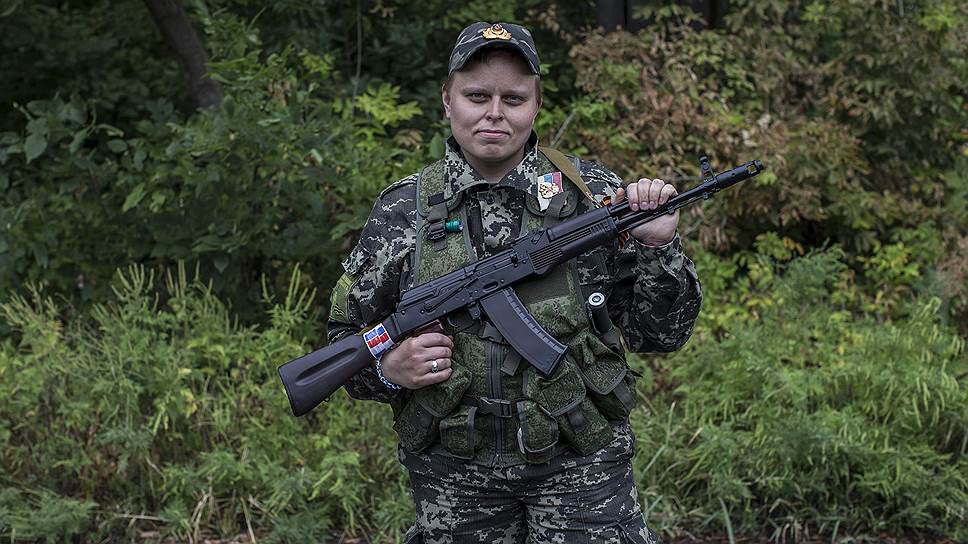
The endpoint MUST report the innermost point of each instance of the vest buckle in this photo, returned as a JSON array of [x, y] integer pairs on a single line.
[[435, 232], [496, 407]]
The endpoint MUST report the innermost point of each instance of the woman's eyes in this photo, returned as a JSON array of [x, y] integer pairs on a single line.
[[480, 97]]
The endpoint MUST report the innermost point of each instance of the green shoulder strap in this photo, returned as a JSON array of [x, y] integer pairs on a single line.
[[562, 163]]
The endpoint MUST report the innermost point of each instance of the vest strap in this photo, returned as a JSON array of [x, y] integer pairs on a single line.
[[511, 362], [613, 340], [489, 332], [553, 213], [624, 394], [577, 418], [495, 407], [436, 221]]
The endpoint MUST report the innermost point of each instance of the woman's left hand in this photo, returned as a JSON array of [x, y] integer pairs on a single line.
[[648, 194]]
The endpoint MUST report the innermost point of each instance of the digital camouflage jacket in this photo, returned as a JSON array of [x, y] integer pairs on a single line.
[[653, 293]]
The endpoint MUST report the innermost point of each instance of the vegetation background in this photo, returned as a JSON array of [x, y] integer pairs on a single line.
[[168, 238]]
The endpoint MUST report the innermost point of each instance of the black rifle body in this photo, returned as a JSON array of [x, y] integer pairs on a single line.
[[486, 287]]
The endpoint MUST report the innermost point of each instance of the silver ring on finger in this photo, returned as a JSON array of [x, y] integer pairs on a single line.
[[434, 368]]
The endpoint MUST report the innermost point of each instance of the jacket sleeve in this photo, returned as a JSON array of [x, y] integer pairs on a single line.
[[655, 294], [369, 289]]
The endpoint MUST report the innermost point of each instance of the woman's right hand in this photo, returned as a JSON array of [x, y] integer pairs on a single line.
[[411, 363]]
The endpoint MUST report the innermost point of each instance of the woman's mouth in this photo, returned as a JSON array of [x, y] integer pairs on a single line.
[[492, 134]]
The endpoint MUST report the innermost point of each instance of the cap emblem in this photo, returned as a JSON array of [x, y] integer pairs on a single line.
[[496, 32]]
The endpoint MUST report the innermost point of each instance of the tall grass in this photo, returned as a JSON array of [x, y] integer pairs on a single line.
[[156, 411], [813, 419]]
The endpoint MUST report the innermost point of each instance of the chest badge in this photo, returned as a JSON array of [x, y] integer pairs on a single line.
[[548, 186]]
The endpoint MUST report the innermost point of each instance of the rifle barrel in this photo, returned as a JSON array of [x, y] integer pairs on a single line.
[[626, 219]]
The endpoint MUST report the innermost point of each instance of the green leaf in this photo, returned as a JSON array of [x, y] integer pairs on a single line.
[[209, 242], [139, 159], [157, 201], [40, 253], [111, 130], [74, 113], [382, 105], [11, 8], [35, 145], [118, 146], [228, 103], [134, 197], [78, 139], [766, 179], [316, 155], [221, 262]]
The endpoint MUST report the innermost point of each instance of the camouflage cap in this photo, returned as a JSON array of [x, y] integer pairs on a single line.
[[480, 35]]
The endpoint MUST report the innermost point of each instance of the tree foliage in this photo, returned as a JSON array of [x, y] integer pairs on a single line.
[[858, 112], [244, 189]]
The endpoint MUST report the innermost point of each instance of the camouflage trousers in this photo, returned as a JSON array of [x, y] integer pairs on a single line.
[[572, 499]]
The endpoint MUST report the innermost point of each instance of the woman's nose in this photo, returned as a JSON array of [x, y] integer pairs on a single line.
[[494, 109]]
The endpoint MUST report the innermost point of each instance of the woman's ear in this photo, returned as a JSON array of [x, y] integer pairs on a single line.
[[445, 98]]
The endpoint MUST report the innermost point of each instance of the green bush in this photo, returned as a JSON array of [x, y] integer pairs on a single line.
[[856, 108], [158, 409], [818, 91], [810, 419], [277, 174]]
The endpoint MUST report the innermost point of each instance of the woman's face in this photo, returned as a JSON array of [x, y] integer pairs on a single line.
[[491, 106]]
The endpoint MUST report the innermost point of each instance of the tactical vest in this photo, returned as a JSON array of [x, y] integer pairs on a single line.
[[534, 414]]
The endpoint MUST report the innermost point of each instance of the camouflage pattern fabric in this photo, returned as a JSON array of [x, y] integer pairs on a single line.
[[653, 293], [572, 499], [654, 298], [475, 37]]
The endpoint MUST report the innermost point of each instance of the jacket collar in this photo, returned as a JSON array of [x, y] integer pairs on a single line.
[[460, 175]]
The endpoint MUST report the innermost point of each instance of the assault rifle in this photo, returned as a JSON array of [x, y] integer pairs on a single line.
[[485, 288]]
